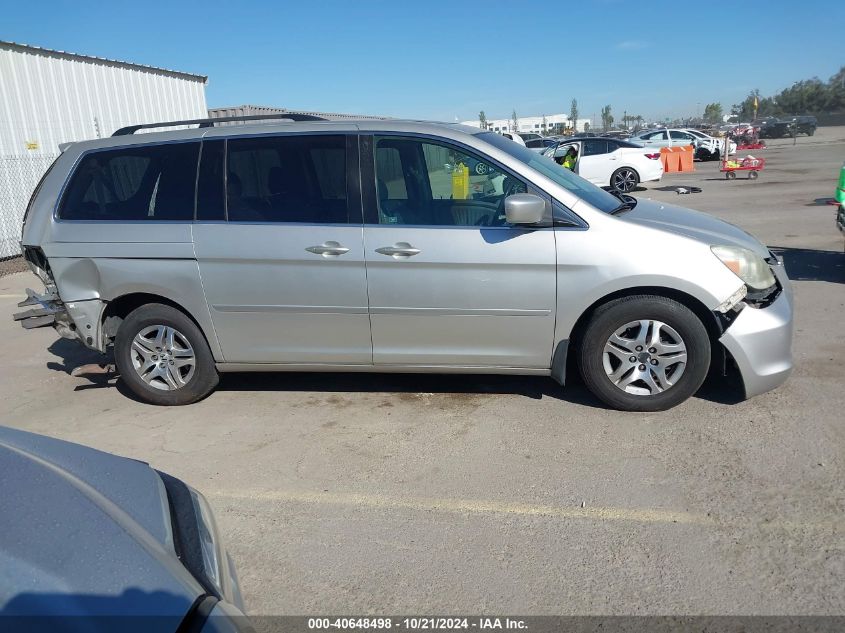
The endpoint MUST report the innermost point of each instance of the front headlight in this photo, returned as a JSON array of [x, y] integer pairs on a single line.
[[746, 265], [197, 539], [208, 541]]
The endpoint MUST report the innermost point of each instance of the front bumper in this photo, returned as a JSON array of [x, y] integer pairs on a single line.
[[760, 341]]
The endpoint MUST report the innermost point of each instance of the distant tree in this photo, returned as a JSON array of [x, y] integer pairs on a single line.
[[836, 92], [713, 113], [586, 126], [544, 124], [573, 115], [809, 96], [482, 120], [515, 121], [606, 118], [765, 107]]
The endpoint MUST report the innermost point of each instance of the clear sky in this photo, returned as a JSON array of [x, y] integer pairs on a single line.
[[448, 60]]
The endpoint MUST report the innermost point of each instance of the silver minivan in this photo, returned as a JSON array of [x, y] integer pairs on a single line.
[[389, 246]]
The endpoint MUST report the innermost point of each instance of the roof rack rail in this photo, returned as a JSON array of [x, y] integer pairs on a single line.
[[289, 116]]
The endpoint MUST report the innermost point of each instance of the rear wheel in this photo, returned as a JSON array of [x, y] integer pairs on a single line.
[[752, 175], [624, 179], [162, 356], [644, 353]]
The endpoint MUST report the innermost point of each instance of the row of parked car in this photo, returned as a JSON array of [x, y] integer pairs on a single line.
[[622, 164], [773, 127]]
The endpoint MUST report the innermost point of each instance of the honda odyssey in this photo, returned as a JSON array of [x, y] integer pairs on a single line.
[[370, 245]]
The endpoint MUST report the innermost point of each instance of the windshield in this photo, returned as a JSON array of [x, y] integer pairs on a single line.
[[588, 192]]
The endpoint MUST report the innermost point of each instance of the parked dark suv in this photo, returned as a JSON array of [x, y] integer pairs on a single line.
[[805, 125], [771, 127]]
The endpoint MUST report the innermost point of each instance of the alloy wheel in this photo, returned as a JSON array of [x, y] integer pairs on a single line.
[[624, 180], [163, 357], [644, 357]]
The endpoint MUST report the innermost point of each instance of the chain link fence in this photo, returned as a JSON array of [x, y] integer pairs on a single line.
[[19, 176]]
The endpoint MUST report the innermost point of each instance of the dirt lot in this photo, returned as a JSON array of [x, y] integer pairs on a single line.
[[419, 494]]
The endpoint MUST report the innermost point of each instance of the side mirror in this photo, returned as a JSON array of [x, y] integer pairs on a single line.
[[524, 208]]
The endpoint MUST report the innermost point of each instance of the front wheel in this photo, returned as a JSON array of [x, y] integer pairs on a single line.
[[644, 353], [624, 179], [162, 356]]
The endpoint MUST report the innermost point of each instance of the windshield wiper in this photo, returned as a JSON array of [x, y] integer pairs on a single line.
[[625, 205]]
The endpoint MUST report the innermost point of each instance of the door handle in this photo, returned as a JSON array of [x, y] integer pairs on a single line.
[[400, 249], [328, 249]]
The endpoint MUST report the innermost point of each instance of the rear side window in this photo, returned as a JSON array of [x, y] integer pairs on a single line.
[[287, 179], [134, 184], [593, 147]]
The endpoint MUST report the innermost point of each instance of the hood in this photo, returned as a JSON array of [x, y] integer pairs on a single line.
[[693, 224], [84, 532]]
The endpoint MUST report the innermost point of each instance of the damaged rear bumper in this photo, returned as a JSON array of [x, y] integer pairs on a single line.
[[48, 307], [77, 320]]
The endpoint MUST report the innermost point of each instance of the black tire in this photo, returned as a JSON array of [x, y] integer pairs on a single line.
[[703, 154], [811, 132], [730, 175], [199, 382], [624, 179], [616, 314], [716, 155], [752, 175]]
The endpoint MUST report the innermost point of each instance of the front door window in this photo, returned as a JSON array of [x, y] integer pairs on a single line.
[[422, 183]]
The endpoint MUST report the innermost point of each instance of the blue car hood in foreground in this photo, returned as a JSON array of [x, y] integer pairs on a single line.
[[694, 224], [85, 533]]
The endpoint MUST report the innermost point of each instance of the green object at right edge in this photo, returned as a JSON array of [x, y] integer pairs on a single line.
[[840, 189]]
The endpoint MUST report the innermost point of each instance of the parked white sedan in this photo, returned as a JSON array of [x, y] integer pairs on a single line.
[[709, 147], [609, 162]]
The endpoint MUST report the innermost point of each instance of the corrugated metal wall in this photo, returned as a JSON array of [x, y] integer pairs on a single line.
[[50, 97]]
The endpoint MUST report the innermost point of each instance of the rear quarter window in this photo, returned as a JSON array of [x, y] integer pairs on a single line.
[[134, 184]]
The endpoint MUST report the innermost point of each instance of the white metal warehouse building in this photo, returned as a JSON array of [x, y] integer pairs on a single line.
[[50, 97]]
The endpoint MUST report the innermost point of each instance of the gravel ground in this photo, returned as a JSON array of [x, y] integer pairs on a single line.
[[426, 494], [12, 265]]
